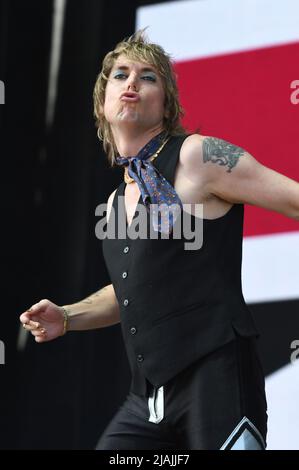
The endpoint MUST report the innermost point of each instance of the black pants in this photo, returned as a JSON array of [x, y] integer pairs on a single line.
[[216, 403]]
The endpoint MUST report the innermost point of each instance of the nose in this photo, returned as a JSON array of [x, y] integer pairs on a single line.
[[131, 83]]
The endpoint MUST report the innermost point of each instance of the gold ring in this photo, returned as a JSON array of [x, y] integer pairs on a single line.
[[24, 325]]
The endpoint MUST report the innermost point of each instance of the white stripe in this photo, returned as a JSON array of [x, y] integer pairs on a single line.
[[271, 267], [199, 28], [236, 430], [156, 405]]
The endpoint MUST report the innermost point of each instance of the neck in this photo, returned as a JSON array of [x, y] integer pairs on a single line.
[[129, 145]]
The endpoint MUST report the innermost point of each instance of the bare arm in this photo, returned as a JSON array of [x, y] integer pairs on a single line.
[[45, 320], [96, 311], [232, 174]]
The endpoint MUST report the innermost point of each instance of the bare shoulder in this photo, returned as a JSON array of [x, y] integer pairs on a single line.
[[205, 146], [191, 157], [193, 176], [192, 147], [198, 150]]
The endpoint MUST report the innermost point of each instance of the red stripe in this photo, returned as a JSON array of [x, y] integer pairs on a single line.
[[245, 99]]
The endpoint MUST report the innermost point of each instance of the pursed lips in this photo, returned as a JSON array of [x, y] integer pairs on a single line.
[[130, 97]]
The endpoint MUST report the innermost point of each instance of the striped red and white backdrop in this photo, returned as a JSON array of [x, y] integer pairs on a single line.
[[237, 63]]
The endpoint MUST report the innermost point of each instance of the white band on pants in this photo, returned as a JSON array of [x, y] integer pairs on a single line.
[[156, 405], [245, 436]]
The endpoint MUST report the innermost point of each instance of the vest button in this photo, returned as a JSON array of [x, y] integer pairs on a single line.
[[124, 274], [140, 358], [133, 330], [126, 249], [126, 302]]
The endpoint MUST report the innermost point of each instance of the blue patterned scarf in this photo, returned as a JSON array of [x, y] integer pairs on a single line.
[[154, 188]]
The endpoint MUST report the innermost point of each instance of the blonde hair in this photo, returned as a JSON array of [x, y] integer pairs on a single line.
[[137, 48]]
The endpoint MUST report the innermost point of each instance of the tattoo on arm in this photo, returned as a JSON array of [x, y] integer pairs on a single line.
[[221, 152], [90, 299]]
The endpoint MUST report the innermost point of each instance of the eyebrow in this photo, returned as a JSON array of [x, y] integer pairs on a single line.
[[125, 68]]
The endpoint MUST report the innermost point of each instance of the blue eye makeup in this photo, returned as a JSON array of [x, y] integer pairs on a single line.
[[119, 74], [150, 77]]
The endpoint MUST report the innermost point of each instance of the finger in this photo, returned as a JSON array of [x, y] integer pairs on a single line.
[[34, 324], [27, 316], [35, 308], [24, 318], [31, 325], [38, 332]]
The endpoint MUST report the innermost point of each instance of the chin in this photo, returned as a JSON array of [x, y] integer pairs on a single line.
[[128, 116]]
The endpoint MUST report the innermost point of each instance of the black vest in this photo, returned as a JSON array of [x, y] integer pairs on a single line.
[[177, 305]]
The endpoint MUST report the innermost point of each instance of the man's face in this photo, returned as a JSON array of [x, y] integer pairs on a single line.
[[134, 95]]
